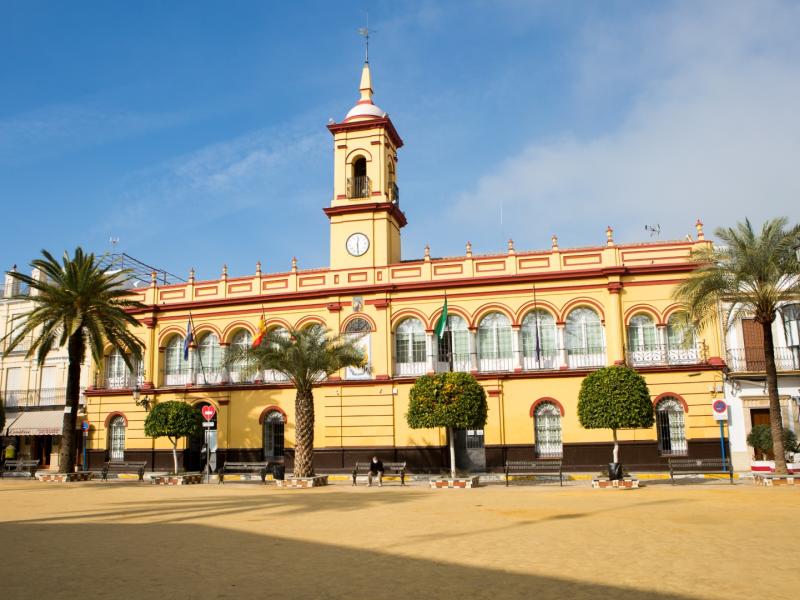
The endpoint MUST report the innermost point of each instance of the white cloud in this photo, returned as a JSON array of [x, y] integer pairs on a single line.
[[710, 128]]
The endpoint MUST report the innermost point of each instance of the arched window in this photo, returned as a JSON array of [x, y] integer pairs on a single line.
[[547, 430], [240, 342], [643, 346], [409, 345], [209, 360], [118, 375], [670, 427], [358, 330], [539, 340], [681, 340], [494, 343], [176, 370], [584, 337], [453, 347], [116, 438], [273, 435], [359, 182]]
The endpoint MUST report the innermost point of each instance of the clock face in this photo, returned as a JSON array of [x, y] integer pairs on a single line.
[[357, 244]]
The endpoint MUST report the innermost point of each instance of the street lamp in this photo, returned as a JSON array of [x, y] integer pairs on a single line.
[[139, 401]]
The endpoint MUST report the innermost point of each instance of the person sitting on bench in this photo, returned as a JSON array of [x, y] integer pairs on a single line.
[[375, 469]]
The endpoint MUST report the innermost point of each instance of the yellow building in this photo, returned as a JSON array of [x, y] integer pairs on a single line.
[[529, 324]]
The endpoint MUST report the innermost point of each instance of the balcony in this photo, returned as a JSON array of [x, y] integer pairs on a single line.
[[409, 369], [394, 193], [37, 398], [113, 379], [662, 355], [546, 361], [492, 362], [586, 358], [458, 362], [201, 377], [752, 360], [359, 187]]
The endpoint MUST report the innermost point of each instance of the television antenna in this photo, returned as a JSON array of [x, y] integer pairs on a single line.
[[653, 230]]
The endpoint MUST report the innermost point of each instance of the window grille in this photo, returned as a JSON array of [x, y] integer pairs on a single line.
[[547, 431], [117, 435], [671, 428]]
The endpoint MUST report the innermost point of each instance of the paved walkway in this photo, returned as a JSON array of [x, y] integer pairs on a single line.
[[242, 540]]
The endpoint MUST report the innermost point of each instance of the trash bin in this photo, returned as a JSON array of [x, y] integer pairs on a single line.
[[278, 472]]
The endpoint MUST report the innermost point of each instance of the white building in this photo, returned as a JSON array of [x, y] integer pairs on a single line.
[[745, 382]]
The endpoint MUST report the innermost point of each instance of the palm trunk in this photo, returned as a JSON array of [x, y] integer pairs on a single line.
[[616, 445], [775, 418], [75, 349], [304, 434], [450, 433]]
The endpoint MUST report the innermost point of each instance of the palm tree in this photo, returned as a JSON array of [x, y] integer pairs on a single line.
[[306, 357], [78, 302], [755, 273]]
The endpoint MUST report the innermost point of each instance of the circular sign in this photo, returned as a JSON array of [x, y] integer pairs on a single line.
[[85, 426], [208, 412], [720, 406]]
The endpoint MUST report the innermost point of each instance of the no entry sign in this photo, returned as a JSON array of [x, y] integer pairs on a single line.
[[720, 410], [208, 412]]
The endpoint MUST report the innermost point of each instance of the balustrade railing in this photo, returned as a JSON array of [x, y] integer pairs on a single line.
[[359, 187], [753, 360], [586, 358], [661, 355], [37, 398]]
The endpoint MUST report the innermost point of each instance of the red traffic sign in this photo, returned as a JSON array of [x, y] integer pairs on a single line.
[[208, 412], [720, 406]]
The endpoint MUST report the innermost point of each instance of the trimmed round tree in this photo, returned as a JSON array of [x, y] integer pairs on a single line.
[[760, 438], [173, 420], [451, 400], [615, 398]]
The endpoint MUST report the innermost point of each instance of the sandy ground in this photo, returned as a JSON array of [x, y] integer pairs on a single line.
[[241, 540]]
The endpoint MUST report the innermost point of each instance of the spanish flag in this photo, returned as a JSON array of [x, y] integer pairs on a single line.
[[262, 330]]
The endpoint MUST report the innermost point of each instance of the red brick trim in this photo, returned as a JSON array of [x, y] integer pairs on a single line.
[[638, 309], [546, 400], [374, 123], [677, 397], [114, 414], [270, 409], [349, 209]]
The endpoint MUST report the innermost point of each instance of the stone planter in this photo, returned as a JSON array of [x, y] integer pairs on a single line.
[[186, 479], [457, 483], [302, 482], [66, 477], [770, 480], [618, 484]]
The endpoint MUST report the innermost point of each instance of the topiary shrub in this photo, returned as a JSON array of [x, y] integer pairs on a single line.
[[173, 420], [451, 400], [615, 398], [760, 438]]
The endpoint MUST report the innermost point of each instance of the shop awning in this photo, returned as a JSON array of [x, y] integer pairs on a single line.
[[10, 418], [39, 422]]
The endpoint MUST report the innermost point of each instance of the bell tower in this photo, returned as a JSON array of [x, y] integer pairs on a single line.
[[365, 216]]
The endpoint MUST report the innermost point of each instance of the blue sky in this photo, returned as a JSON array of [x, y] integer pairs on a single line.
[[195, 131]]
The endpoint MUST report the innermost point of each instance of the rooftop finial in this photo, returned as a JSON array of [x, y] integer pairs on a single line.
[[258, 268], [554, 242], [699, 227], [609, 236], [365, 32]]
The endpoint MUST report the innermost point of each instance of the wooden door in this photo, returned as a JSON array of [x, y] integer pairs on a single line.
[[753, 336], [760, 416]]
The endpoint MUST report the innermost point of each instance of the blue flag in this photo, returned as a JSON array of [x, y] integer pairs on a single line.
[[187, 340]]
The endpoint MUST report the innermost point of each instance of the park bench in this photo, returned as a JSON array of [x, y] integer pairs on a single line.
[[548, 466], [124, 466], [20, 466], [262, 468], [389, 468], [700, 466]]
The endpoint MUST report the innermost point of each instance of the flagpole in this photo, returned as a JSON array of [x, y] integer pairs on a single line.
[[198, 353]]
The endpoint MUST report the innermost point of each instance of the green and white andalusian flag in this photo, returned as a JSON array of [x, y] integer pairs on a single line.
[[442, 322]]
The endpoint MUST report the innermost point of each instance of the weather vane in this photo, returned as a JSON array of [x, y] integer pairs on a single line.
[[365, 33]]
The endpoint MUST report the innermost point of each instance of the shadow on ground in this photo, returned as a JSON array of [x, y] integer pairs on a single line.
[[197, 561]]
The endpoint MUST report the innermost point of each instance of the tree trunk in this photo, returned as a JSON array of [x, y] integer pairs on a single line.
[[775, 418], [174, 455], [304, 434], [616, 445], [75, 350], [450, 434]]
